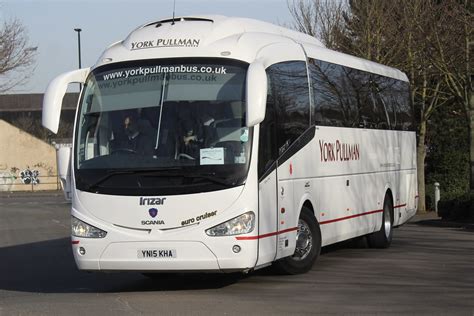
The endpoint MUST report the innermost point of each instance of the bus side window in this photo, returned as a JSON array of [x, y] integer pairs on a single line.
[[267, 139], [381, 111], [347, 97], [405, 108], [334, 94], [290, 95], [388, 94], [396, 96]]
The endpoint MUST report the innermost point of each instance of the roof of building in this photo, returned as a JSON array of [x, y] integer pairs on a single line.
[[32, 102]]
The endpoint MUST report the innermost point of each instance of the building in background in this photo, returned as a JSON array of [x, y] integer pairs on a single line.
[[27, 154]]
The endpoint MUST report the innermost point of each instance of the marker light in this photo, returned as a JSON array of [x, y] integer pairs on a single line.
[[81, 229], [242, 224]]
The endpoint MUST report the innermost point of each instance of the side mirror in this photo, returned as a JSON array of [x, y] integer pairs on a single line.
[[256, 93], [63, 155], [53, 97]]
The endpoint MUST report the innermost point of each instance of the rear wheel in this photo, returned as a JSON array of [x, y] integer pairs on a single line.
[[308, 246], [383, 237]]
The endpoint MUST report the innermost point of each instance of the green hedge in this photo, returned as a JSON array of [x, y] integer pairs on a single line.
[[457, 209], [447, 160]]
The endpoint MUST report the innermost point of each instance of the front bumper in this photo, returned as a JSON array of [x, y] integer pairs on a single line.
[[189, 255]]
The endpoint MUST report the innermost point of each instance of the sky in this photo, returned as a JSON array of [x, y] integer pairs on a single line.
[[50, 25]]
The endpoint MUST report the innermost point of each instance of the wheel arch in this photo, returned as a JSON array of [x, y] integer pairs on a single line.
[[289, 265], [307, 201]]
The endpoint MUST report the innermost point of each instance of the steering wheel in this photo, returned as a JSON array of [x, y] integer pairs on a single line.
[[183, 155]]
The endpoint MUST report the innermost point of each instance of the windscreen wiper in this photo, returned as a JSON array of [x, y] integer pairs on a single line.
[[106, 177], [111, 174], [162, 172], [211, 176]]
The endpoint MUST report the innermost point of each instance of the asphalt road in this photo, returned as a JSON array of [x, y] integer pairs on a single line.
[[428, 270]]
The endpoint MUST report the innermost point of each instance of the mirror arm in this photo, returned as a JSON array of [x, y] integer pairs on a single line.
[[53, 97], [256, 93]]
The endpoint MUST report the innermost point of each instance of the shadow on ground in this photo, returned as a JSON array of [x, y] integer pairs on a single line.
[[48, 267], [466, 225]]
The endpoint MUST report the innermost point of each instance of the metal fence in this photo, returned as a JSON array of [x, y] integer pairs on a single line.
[[10, 183]]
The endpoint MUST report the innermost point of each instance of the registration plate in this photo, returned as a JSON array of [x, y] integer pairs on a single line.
[[156, 253]]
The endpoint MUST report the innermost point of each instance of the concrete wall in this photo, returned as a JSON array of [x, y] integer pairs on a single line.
[[20, 152]]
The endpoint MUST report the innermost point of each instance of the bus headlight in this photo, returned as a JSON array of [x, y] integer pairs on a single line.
[[81, 229], [242, 224]]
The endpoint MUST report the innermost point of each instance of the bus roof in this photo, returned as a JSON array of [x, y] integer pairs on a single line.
[[221, 36], [223, 26], [335, 57]]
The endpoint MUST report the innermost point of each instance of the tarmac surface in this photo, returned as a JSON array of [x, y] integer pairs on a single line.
[[429, 269]]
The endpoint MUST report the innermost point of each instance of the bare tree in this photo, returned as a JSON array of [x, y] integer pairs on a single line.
[[427, 87], [449, 51], [31, 125], [16, 56], [322, 19], [398, 33], [372, 30]]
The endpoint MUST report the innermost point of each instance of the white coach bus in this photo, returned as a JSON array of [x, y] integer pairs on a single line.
[[227, 144]]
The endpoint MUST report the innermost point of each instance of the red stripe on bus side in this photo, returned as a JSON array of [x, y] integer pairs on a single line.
[[267, 235], [321, 223], [349, 217], [357, 215]]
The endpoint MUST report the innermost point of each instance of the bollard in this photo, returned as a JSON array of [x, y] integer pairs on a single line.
[[436, 196]]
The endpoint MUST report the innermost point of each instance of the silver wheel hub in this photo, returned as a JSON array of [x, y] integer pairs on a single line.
[[304, 241], [387, 222]]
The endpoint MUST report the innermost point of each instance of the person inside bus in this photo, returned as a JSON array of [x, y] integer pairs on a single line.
[[126, 137], [191, 139], [209, 133], [146, 138], [198, 131]]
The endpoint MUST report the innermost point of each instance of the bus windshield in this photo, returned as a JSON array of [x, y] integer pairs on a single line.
[[161, 125]]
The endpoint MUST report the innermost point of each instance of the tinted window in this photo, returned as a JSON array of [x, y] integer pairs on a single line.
[[181, 116], [289, 94], [400, 112], [337, 94], [349, 97], [329, 105], [373, 110], [267, 149]]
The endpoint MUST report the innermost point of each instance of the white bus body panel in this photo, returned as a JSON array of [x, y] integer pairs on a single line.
[[194, 249], [224, 37], [268, 208], [346, 189]]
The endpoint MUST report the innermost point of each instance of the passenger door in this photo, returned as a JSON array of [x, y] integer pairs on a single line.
[[267, 188], [286, 118], [291, 97]]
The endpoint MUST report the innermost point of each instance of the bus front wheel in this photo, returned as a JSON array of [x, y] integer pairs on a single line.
[[308, 246]]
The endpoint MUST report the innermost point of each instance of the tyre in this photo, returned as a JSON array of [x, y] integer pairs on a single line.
[[308, 246], [383, 237]]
